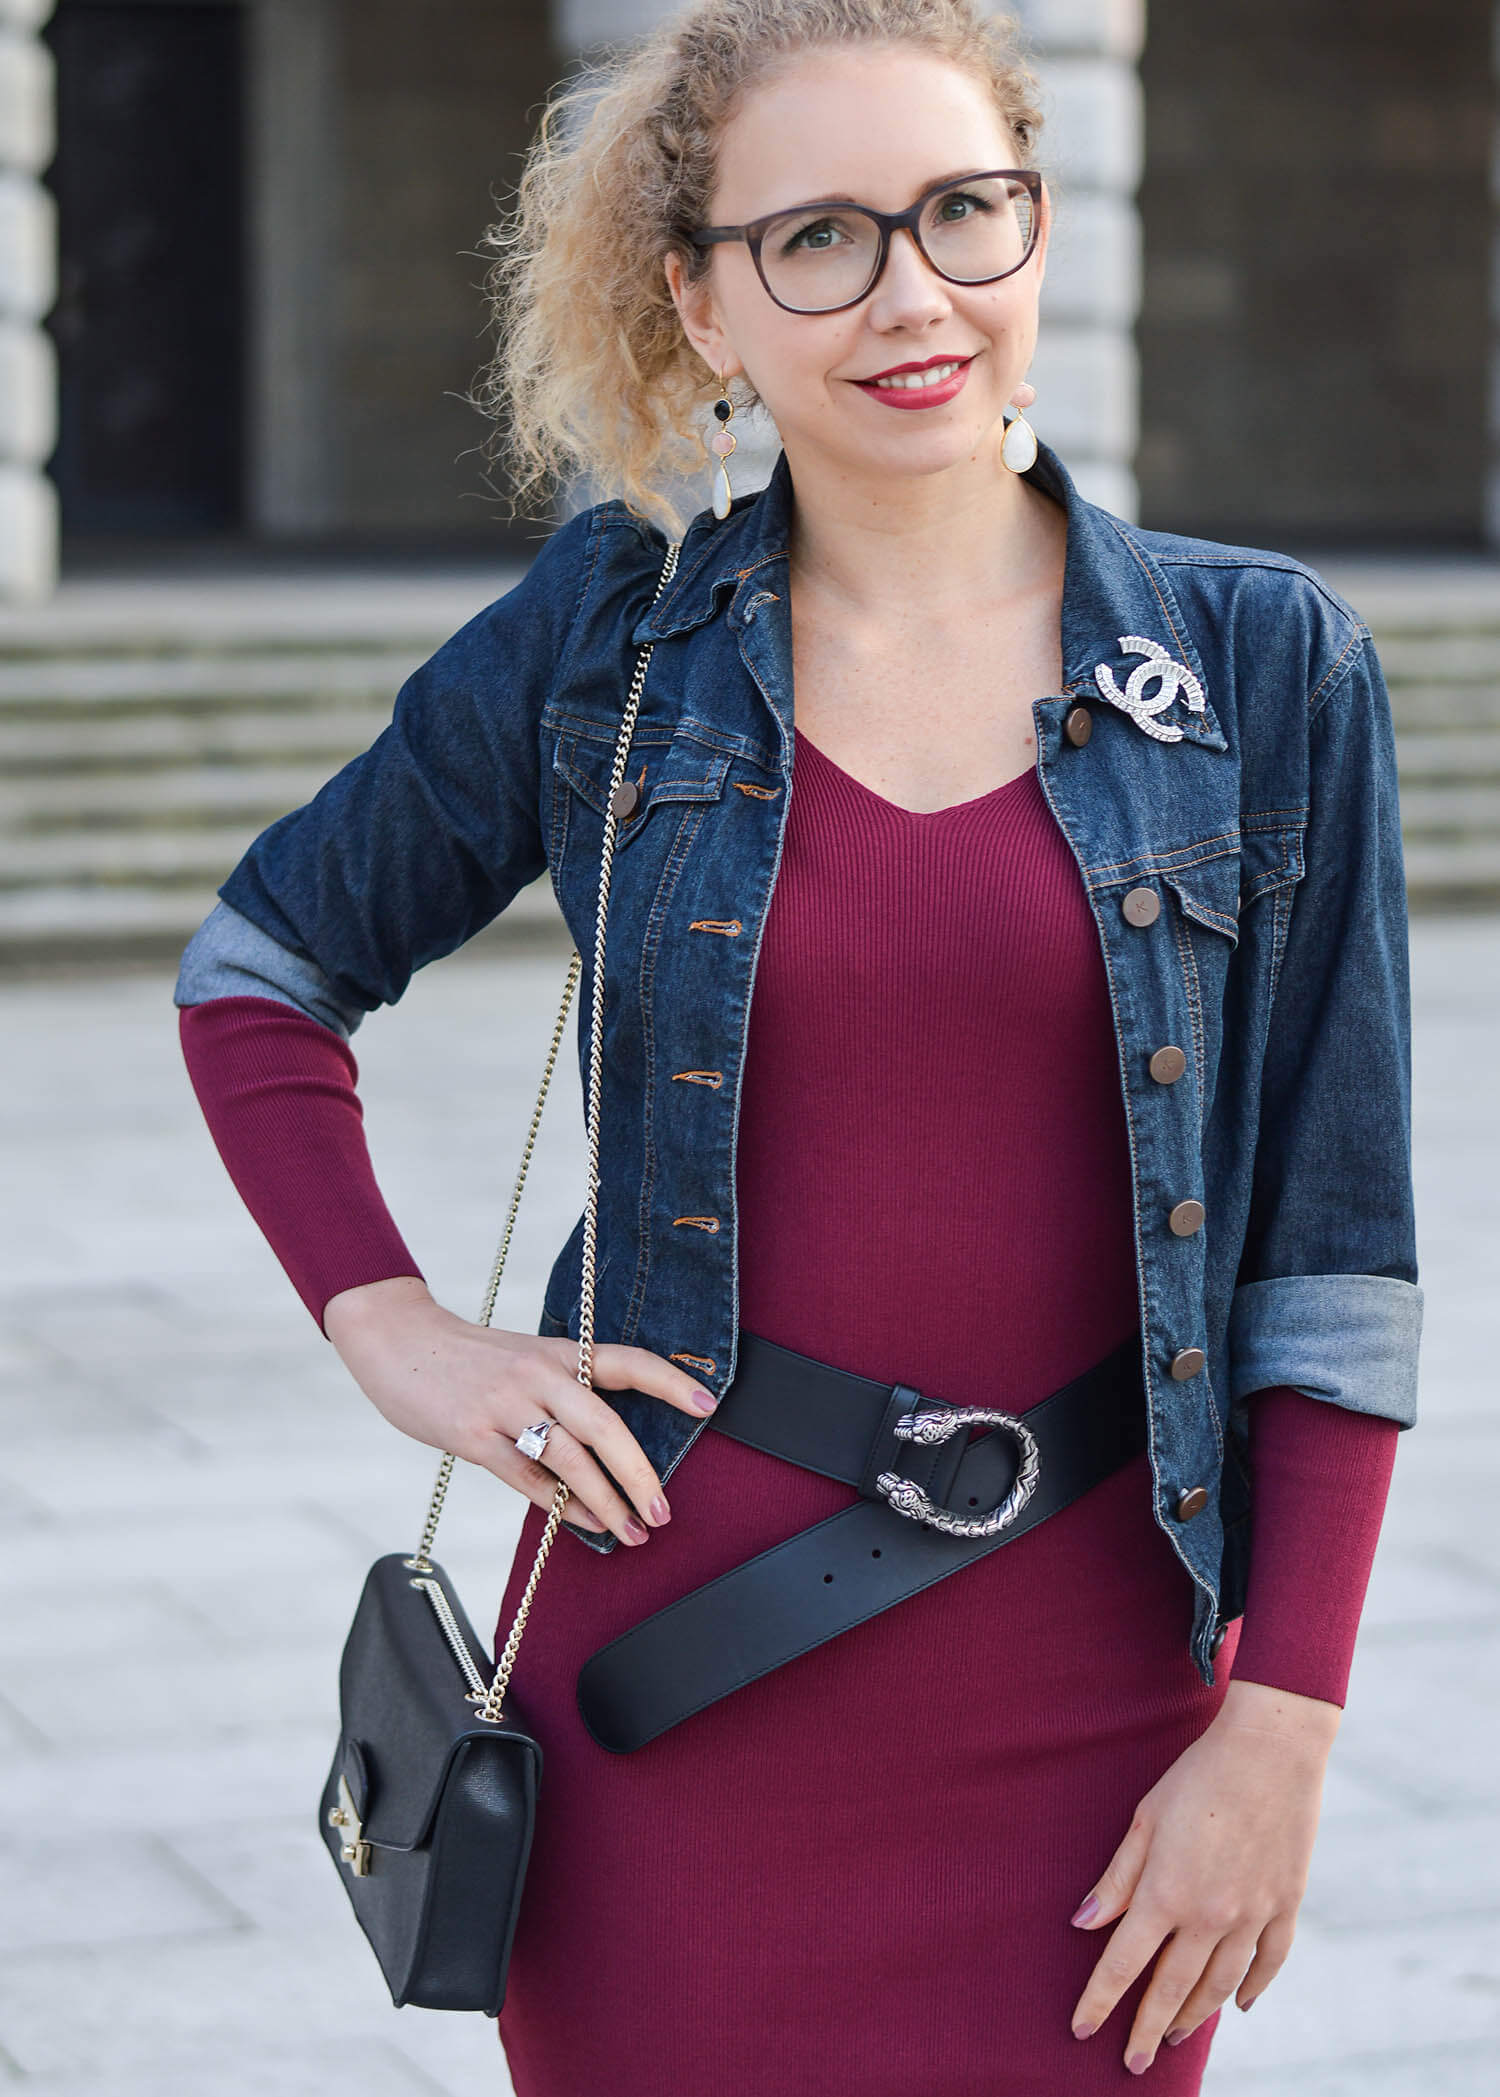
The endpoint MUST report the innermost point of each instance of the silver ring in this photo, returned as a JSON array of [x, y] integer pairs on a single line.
[[532, 1441]]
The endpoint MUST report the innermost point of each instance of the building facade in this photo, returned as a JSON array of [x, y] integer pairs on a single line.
[[239, 281]]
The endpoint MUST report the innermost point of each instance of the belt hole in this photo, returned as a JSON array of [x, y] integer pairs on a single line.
[[876, 1552], [827, 1577], [729, 926], [973, 1499]]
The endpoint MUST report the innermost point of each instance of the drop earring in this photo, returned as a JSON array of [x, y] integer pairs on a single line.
[[1018, 445], [723, 442]]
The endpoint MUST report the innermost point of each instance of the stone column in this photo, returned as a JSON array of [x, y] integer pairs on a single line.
[[28, 273], [1085, 370], [1492, 458]]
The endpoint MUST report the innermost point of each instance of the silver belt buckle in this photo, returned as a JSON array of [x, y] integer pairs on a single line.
[[926, 1429]]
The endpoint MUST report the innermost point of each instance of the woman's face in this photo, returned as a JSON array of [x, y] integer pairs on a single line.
[[879, 128]]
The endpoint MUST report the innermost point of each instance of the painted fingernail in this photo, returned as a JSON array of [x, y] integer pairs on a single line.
[[1089, 1909], [705, 1401], [636, 1531], [660, 1512], [1250, 2005], [1138, 2063], [1175, 2038], [1084, 2031]]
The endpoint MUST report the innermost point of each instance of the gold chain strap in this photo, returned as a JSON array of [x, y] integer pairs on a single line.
[[422, 1562]]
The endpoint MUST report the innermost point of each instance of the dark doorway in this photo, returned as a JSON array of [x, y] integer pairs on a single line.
[[1315, 329], [150, 319]]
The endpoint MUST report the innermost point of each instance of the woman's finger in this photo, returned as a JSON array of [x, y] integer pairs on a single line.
[[1271, 1951], [1115, 1886], [596, 1424], [619, 1368], [1136, 1940], [569, 1460], [1194, 1975]]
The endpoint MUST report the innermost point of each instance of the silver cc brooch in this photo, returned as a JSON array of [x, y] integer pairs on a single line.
[[1173, 680]]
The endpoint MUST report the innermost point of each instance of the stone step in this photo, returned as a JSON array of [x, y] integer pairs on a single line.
[[133, 855], [135, 742], [184, 796], [1451, 806], [1458, 871], [1466, 756], [1440, 658], [87, 686]]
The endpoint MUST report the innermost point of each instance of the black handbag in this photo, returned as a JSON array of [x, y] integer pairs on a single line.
[[431, 1799]]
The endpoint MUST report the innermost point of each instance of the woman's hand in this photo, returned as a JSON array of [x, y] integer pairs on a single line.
[[1216, 1862], [471, 1389]]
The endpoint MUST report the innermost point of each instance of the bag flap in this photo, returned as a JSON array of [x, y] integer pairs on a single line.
[[406, 1718]]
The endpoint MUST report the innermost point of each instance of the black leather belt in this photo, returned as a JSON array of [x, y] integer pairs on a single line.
[[919, 1497]]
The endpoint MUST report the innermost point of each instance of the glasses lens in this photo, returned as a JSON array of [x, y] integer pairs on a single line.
[[979, 230], [821, 258]]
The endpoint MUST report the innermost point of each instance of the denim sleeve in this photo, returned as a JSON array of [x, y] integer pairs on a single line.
[[1327, 1300], [424, 838]]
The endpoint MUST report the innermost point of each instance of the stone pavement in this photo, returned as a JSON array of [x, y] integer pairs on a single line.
[[191, 1489]]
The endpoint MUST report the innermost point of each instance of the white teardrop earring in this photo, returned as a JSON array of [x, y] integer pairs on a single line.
[[1018, 445], [724, 443]]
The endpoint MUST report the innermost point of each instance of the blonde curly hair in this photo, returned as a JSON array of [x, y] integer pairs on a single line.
[[593, 373]]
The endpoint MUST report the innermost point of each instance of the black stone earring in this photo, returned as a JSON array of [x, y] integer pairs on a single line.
[[723, 442]]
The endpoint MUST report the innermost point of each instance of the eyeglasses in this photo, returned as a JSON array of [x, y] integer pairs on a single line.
[[828, 254]]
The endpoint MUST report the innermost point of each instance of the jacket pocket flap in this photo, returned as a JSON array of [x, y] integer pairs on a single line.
[[1209, 893], [679, 770]]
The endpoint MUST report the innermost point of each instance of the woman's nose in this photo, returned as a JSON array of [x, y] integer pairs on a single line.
[[910, 289]]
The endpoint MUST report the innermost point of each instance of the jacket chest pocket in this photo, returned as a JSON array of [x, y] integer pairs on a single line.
[[673, 779], [1229, 925]]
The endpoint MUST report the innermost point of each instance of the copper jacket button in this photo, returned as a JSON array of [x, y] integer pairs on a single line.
[[1192, 1502], [1142, 906], [1078, 726], [1186, 1218], [625, 799], [1188, 1362], [1167, 1065]]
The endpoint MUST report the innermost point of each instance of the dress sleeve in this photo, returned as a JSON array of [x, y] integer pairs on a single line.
[[277, 1090], [1321, 1477]]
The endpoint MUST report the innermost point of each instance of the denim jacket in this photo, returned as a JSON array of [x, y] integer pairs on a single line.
[[1222, 764]]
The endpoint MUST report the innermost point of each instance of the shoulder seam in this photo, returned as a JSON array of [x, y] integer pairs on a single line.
[[1338, 671]]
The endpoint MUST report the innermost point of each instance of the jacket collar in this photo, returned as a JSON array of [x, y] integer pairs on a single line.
[[1124, 637]]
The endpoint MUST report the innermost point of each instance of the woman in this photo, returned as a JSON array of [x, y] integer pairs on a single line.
[[1073, 911]]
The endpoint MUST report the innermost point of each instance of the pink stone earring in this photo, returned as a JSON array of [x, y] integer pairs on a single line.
[[1018, 445], [724, 443]]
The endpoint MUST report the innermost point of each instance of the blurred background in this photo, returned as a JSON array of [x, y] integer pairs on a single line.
[[240, 498], [240, 487]]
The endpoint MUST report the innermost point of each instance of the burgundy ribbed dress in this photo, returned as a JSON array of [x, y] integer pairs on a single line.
[[854, 1877]]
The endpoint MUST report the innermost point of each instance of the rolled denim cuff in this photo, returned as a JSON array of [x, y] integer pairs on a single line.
[[229, 957], [1349, 1338]]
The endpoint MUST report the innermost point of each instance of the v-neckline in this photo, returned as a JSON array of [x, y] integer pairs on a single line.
[[920, 815]]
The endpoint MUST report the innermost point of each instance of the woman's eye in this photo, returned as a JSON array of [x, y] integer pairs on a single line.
[[964, 197], [820, 233]]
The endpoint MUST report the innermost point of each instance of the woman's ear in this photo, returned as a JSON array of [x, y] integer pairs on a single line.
[[695, 309]]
